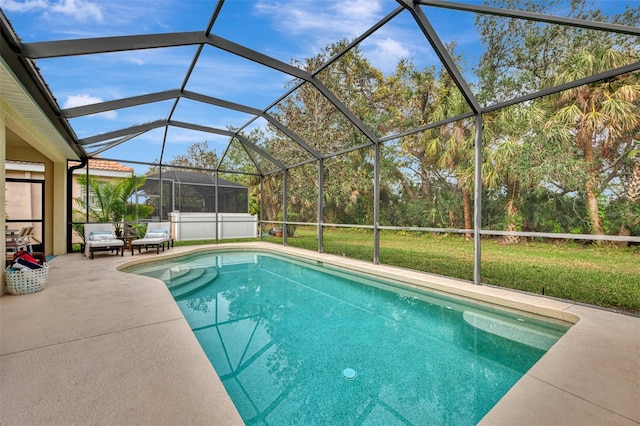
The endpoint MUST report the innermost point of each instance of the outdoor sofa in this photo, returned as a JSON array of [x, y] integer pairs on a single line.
[[158, 235]]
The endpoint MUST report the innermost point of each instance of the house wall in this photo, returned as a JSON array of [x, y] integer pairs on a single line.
[[23, 142]]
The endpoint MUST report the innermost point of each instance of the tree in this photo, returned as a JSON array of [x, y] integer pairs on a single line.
[[602, 117], [597, 120], [109, 201], [348, 195], [630, 200], [442, 158]]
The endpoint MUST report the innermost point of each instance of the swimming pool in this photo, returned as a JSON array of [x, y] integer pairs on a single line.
[[301, 343]]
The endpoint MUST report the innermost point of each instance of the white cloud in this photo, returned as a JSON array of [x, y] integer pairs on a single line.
[[84, 99], [321, 19], [79, 10], [136, 60], [392, 47], [22, 6], [387, 53]]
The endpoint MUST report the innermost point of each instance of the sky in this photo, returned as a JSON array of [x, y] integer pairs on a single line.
[[283, 29]]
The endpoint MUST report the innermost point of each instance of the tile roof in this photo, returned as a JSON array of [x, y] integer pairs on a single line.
[[98, 164]]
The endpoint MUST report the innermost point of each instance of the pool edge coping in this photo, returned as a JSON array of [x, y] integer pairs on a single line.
[[536, 305]]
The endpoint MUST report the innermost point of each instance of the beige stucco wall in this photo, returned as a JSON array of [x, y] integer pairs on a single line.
[[27, 144]]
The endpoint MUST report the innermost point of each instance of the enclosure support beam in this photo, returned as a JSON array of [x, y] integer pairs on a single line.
[[285, 197], [477, 204], [376, 204], [320, 205], [160, 192], [216, 202], [261, 215], [440, 50]]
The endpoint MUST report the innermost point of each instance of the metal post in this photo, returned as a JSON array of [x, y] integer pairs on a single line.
[[160, 200], [376, 204], [261, 217], [285, 172], [320, 205], [477, 221], [216, 204], [87, 199]]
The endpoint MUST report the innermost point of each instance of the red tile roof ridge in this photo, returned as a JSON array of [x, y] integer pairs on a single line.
[[99, 164]]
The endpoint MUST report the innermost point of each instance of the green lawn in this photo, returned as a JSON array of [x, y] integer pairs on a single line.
[[602, 276], [598, 275]]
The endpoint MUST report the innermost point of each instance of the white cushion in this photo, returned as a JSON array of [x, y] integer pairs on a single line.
[[106, 243], [156, 234], [101, 236]]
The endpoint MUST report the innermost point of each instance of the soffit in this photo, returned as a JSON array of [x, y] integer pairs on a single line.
[[46, 138]]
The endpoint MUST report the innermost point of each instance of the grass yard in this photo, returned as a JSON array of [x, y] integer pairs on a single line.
[[602, 276]]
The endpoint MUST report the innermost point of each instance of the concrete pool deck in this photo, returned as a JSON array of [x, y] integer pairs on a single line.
[[99, 346]]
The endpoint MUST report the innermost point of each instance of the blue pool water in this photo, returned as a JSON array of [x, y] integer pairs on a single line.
[[303, 344]]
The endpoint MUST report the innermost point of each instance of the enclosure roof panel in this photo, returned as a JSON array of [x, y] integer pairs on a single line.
[[122, 79]]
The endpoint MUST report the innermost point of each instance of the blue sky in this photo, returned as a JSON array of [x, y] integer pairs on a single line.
[[283, 29]]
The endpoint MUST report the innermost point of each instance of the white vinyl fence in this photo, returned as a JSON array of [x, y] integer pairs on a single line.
[[202, 226]]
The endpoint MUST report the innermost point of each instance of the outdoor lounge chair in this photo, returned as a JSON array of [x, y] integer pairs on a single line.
[[101, 237], [158, 235], [19, 242]]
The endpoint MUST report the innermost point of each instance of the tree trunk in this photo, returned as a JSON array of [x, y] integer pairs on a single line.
[[633, 193], [593, 208], [512, 213], [411, 193], [466, 197], [591, 188]]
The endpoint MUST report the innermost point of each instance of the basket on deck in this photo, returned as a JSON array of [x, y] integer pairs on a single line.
[[25, 281]]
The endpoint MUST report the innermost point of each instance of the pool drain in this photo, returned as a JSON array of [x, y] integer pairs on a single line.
[[349, 373]]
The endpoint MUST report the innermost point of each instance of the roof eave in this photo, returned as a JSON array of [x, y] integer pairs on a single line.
[[28, 76]]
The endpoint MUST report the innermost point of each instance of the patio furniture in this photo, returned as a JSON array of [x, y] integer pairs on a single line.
[[28, 237], [158, 235], [19, 241], [101, 237]]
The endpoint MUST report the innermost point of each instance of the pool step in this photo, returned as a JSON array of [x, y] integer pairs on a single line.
[[165, 274], [526, 334], [183, 277], [188, 286]]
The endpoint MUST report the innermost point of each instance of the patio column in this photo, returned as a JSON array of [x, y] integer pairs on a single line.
[[3, 157]]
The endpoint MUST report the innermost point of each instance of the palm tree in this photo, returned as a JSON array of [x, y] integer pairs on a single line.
[[602, 117], [506, 166], [110, 200], [457, 152]]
